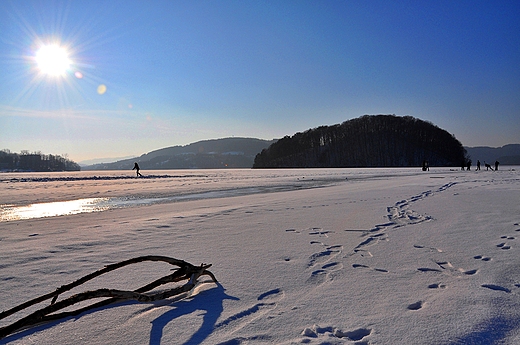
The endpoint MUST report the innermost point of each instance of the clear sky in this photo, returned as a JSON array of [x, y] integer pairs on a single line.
[[122, 78]]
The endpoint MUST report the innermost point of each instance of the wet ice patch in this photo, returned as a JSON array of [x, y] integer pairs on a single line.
[[52, 209]]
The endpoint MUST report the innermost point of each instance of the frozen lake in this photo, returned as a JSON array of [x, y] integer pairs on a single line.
[[339, 256], [166, 186]]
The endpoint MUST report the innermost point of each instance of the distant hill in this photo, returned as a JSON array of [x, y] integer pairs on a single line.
[[206, 154], [102, 160], [506, 155], [368, 141]]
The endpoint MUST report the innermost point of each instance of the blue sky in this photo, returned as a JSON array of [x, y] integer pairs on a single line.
[[176, 72]]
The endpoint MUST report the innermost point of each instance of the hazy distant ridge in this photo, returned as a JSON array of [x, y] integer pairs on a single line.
[[103, 160], [206, 154], [506, 155]]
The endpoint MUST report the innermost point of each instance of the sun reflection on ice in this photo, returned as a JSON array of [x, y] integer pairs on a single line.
[[52, 209]]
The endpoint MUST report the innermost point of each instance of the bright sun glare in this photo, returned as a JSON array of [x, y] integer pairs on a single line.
[[53, 60]]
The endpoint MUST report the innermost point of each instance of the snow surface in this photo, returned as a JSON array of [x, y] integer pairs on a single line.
[[338, 256]]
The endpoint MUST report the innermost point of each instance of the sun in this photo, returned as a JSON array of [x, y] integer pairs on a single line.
[[53, 60]]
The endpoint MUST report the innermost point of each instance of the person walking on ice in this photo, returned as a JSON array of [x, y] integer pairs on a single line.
[[136, 168]]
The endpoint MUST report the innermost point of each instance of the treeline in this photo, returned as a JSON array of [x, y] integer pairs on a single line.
[[26, 161], [368, 141]]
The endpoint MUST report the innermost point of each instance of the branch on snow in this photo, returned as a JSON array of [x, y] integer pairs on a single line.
[[185, 271]]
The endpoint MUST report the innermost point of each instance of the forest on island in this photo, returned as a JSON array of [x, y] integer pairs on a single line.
[[37, 161], [367, 141]]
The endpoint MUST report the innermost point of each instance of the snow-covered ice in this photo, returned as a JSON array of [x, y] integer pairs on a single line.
[[310, 256]]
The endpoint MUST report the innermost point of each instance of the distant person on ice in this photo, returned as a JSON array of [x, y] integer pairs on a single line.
[[136, 168], [478, 164], [496, 165]]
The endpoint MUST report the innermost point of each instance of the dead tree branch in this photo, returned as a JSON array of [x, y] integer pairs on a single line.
[[185, 271]]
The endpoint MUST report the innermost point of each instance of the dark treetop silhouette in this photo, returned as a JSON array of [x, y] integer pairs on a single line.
[[368, 141]]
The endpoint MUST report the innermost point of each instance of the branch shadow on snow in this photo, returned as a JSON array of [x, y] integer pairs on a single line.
[[211, 301], [50, 324], [492, 332]]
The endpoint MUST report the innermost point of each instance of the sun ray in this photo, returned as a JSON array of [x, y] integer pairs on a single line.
[[55, 61]]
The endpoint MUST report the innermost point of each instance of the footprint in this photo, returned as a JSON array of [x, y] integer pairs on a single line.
[[470, 272], [266, 301], [401, 215], [363, 252], [324, 255], [321, 275], [332, 264], [426, 269], [371, 240], [320, 232], [354, 335], [444, 264], [365, 266], [418, 246], [316, 331], [269, 295], [496, 287], [383, 226], [337, 246], [481, 257], [504, 246], [317, 277], [436, 286], [415, 306]]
